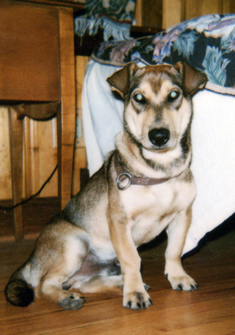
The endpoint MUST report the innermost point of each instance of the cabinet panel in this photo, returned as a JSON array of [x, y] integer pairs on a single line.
[[29, 53]]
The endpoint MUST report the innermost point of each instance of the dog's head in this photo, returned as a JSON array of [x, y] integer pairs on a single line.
[[157, 102]]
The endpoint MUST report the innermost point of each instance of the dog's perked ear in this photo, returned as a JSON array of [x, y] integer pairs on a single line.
[[120, 80], [193, 79]]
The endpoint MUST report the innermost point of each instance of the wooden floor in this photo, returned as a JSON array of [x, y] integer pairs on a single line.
[[36, 214], [209, 311]]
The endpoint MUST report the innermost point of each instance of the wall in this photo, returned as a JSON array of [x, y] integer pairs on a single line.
[[153, 13], [175, 11]]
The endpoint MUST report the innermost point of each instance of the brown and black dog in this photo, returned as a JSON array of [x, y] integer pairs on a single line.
[[144, 186]]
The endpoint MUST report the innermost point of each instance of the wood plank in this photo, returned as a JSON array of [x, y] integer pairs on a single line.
[[80, 161], [16, 144], [67, 117], [172, 13], [28, 158], [47, 151], [138, 13], [197, 8], [228, 6], [5, 167], [81, 63], [40, 156], [148, 13]]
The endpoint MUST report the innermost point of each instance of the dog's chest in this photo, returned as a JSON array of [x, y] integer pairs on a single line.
[[150, 209]]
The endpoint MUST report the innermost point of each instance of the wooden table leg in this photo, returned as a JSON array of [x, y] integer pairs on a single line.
[[16, 145], [67, 117]]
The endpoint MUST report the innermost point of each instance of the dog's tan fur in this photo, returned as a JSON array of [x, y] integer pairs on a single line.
[[102, 226]]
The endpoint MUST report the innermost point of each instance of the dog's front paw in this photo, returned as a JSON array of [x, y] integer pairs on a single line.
[[182, 283], [137, 300], [73, 301]]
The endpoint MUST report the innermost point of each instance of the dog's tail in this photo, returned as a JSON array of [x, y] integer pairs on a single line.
[[17, 291]]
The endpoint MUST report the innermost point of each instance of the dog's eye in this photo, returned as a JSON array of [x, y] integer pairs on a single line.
[[139, 98], [173, 96]]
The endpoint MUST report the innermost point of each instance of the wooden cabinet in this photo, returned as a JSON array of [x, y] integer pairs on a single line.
[[37, 66]]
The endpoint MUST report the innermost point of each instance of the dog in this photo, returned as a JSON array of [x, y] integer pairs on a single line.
[[144, 186]]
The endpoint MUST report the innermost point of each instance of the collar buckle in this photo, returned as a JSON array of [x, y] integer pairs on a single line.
[[123, 181]]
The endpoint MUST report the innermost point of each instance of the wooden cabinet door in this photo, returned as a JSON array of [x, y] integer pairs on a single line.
[[29, 53]]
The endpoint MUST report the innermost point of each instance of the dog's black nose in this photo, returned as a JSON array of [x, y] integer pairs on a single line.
[[159, 137]]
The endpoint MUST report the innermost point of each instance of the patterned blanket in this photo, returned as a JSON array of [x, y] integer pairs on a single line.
[[207, 43]]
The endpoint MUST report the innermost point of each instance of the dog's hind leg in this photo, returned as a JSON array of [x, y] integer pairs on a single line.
[[51, 289], [177, 231], [103, 284], [51, 284]]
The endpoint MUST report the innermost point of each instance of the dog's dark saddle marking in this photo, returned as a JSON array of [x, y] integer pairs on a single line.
[[125, 179]]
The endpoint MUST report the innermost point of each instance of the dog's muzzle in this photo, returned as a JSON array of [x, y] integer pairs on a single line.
[[159, 136]]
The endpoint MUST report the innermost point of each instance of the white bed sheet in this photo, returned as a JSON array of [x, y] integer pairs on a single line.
[[213, 140]]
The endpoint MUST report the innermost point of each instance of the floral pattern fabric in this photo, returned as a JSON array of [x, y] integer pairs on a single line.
[[113, 16], [206, 43]]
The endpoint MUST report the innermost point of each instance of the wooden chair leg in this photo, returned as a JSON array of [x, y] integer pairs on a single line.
[[67, 116], [16, 145]]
